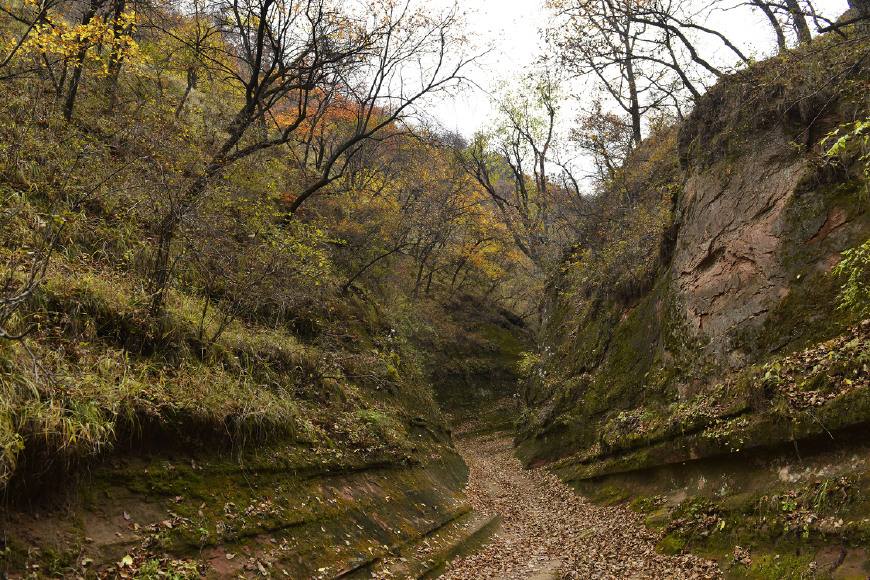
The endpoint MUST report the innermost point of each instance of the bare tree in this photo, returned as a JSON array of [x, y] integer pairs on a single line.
[[798, 21], [413, 55], [296, 63], [601, 39], [276, 54], [491, 171], [774, 22], [644, 56], [797, 14]]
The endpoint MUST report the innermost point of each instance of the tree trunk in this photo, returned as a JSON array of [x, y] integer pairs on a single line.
[[799, 21], [115, 58], [774, 23], [428, 289], [160, 268], [191, 84], [634, 104], [419, 279], [160, 272], [70, 101], [75, 79]]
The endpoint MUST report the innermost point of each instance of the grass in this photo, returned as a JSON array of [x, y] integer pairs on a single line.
[[96, 372]]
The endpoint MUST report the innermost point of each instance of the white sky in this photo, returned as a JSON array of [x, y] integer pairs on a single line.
[[512, 30]]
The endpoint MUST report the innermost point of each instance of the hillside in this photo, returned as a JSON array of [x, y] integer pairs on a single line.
[[710, 376], [199, 375]]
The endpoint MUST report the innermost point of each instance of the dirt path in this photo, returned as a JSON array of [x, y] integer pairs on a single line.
[[548, 531]]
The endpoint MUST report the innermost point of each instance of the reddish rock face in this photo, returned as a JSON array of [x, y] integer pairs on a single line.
[[729, 267], [726, 259]]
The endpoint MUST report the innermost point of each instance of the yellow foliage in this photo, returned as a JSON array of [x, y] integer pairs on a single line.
[[73, 42]]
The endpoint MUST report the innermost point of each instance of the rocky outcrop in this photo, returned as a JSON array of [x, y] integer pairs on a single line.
[[759, 221], [742, 245], [737, 350], [725, 263]]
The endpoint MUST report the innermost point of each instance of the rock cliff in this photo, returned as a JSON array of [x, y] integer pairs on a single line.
[[726, 359]]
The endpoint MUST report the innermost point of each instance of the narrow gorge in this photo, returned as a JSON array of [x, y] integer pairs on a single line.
[[263, 314]]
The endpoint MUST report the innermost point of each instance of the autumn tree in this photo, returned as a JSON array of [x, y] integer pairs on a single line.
[[605, 138], [411, 219], [514, 163], [298, 66], [21, 22], [189, 43], [413, 55], [63, 41], [274, 55]]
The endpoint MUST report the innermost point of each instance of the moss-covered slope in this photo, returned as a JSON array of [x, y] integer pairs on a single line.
[[712, 329]]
